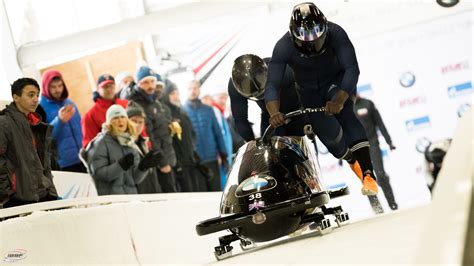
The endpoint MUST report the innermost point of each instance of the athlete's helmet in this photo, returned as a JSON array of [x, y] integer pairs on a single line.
[[309, 29], [249, 76]]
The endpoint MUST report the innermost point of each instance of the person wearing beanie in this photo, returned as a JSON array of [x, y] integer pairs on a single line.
[[25, 141], [63, 115], [156, 123], [136, 114], [186, 172], [125, 82], [114, 160], [103, 98]]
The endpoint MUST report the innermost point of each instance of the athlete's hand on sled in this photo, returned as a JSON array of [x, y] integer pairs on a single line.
[[277, 120], [337, 103], [333, 108]]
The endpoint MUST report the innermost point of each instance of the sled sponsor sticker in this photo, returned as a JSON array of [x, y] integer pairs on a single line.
[[256, 205], [15, 255], [256, 183]]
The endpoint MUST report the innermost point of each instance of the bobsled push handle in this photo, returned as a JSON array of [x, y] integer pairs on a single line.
[[267, 135]]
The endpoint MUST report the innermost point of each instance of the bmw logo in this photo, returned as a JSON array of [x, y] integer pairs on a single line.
[[407, 79], [447, 3]]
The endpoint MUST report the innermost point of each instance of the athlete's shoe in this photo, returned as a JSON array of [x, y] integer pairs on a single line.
[[356, 169], [369, 186]]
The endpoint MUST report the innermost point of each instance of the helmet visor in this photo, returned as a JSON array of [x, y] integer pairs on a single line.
[[309, 33]]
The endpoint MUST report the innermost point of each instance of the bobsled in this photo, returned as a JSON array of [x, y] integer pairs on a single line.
[[273, 190]]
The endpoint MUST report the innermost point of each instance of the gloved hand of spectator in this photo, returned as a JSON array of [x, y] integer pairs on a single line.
[[151, 159], [392, 147], [126, 161], [175, 129]]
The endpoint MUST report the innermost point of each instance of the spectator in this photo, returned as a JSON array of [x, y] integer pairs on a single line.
[[219, 101], [186, 176], [136, 114], [25, 171], [103, 98], [64, 116], [209, 140], [113, 157], [125, 82], [371, 119], [156, 124]]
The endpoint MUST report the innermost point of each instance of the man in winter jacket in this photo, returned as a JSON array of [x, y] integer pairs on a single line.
[[156, 124], [64, 116], [25, 171], [103, 98], [209, 140], [186, 176]]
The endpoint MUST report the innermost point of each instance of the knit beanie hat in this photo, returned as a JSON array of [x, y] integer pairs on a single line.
[[135, 110], [121, 76], [114, 111], [144, 72]]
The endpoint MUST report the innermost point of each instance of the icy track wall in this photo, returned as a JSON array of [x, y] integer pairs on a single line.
[[160, 228]]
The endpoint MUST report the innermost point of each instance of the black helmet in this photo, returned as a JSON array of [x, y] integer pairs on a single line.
[[309, 29], [249, 76]]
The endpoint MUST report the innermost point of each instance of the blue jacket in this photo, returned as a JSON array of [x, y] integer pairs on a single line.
[[209, 139], [68, 135]]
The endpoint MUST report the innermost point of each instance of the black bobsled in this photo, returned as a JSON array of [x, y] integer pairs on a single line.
[[273, 190]]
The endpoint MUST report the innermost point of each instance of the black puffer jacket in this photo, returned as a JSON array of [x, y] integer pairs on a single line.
[[157, 125], [184, 148]]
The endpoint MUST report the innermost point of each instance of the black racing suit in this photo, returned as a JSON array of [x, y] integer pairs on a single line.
[[290, 102], [318, 79], [370, 118]]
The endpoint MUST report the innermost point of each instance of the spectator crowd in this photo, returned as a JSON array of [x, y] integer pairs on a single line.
[[138, 136]]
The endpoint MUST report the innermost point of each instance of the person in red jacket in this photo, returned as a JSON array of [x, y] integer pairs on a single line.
[[103, 98]]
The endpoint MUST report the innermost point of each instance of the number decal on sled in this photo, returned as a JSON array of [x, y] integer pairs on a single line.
[[255, 196]]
